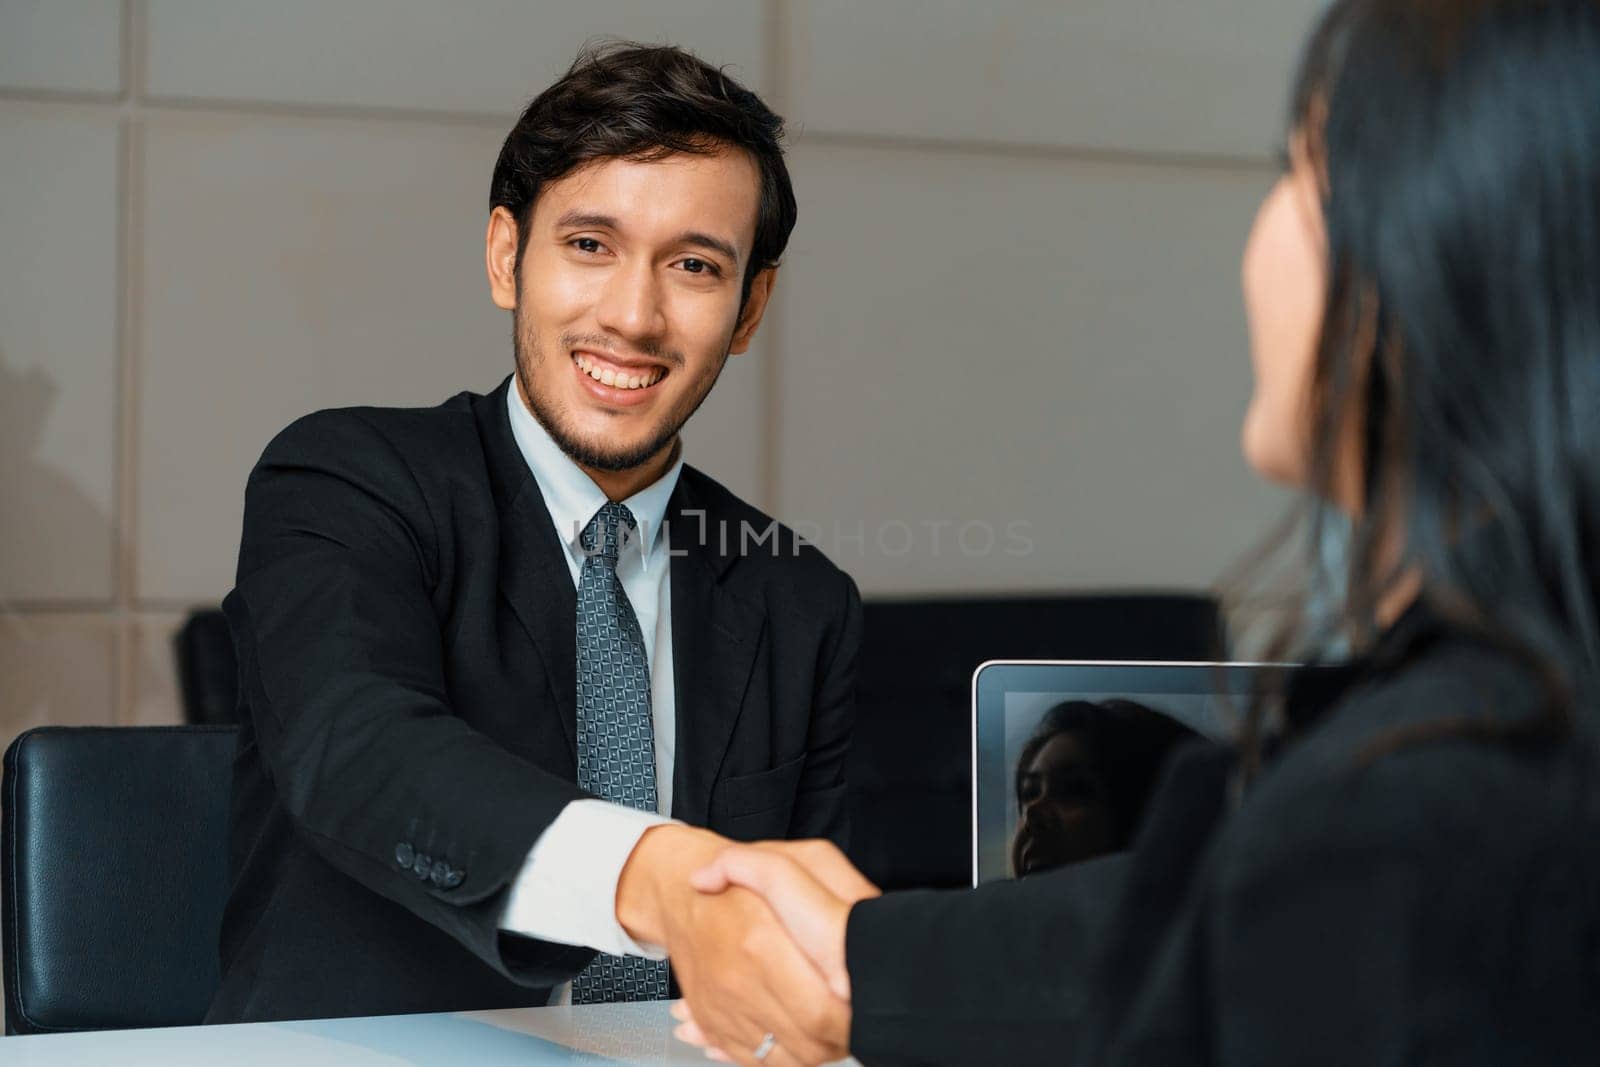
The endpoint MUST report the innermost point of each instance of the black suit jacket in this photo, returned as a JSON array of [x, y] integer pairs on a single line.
[[1437, 905], [404, 620]]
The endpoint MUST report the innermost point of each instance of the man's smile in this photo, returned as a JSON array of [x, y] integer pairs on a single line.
[[615, 382]]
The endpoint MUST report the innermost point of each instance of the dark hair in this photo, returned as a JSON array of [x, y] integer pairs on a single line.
[[1127, 745], [644, 102], [1459, 146]]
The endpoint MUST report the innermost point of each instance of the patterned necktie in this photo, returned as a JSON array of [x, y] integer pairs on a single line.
[[616, 741]]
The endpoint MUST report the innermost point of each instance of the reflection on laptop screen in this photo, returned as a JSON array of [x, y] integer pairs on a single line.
[[1067, 755]]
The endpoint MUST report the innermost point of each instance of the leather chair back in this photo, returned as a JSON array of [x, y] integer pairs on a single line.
[[208, 675], [114, 875]]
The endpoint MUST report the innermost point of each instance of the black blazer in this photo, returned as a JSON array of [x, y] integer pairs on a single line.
[[404, 620], [1438, 905]]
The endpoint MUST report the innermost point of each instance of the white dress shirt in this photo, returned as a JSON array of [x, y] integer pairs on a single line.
[[567, 889]]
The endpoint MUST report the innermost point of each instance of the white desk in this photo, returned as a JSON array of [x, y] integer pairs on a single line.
[[635, 1034]]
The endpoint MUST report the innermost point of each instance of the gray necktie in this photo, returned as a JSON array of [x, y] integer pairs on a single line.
[[616, 742]]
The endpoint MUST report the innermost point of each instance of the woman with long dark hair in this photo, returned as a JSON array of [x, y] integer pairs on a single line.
[[1402, 866], [1084, 778]]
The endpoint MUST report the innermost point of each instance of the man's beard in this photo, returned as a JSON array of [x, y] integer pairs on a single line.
[[602, 455]]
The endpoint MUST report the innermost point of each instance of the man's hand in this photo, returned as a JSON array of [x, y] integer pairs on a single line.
[[824, 862], [809, 885], [740, 972]]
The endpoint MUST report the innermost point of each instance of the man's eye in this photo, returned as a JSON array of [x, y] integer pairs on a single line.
[[586, 244], [698, 266]]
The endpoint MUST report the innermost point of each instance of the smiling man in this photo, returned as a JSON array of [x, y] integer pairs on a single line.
[[487, 649]]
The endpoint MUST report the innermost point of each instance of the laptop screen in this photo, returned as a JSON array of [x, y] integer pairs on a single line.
[[1066, 754]]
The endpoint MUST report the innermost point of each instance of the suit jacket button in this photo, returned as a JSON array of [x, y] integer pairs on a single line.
[[440, 871], [454, 878], [423, 865], [404, 855]]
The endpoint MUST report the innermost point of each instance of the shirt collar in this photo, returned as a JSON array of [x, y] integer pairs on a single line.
[[570, 495]]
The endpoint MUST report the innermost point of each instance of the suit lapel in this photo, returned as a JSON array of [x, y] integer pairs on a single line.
[[534, 577], [715, 637], [535, 580]]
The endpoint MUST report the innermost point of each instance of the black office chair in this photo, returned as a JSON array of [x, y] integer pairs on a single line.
[[909, 766], [208, 675], [113, 875]]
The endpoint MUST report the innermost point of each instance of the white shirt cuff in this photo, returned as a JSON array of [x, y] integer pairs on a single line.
[[567, 889]]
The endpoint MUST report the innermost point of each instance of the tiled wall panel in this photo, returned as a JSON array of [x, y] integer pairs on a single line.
[[59, 236], [487, 56], [62, 45], [1159, 76], [156, 698], [290, 266], [970, 340], [55, 671]]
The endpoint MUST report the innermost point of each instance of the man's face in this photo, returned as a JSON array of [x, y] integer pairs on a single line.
[[627, 300]]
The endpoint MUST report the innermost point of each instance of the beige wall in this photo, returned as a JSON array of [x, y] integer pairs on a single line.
[[1011, 298]]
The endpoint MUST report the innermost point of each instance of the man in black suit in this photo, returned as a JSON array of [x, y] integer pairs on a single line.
[[485, 648]]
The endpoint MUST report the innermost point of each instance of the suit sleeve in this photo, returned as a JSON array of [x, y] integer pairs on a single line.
[[995, 974], [1285, 957], [821, 808], [1314, 949], [341, 668], [1336, 923]]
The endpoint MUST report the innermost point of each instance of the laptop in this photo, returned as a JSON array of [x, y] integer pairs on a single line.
[[1079, 745]]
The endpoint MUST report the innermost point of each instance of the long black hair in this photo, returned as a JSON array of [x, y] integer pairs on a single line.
[[1458, 144]]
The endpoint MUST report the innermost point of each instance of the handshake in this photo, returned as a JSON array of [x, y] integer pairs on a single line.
[[756, 934]]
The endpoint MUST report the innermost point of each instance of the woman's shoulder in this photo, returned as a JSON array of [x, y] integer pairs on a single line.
[[1414, 763], [1364, 888]]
